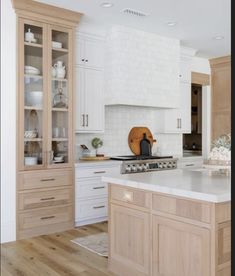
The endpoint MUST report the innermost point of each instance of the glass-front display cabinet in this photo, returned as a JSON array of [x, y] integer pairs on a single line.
[[45, 96]]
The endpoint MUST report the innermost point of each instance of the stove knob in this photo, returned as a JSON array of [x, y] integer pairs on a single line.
[[144, 167], [133, 168], [164, 165], [160, 166], [128, 169], [169, 165]]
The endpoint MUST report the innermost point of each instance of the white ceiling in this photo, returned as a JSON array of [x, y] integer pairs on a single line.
[[198, 21]]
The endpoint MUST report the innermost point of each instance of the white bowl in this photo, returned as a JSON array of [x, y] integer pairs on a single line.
[[58, 158], [34, 98], [30, 134], [56, 44], [31, 70], [30, 161]]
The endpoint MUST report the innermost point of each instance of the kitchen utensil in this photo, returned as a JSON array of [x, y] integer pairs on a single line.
[[145, 146], [56, 44], [34, 98], [60, 100], [94, 158], [136, 135], [29, 36], [30, 161], [60, 69], [30, 134]]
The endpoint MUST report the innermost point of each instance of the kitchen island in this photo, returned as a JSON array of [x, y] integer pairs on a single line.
[[170, 223]]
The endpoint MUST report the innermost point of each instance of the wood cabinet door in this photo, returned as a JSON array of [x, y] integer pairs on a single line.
[[180, 249], [129, 234]]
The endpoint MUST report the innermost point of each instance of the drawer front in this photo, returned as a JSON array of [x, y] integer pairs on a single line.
[[91, 188], [131, 196], [183, 208], [33, 219], [94, 208], [192, 164], [45, 179], [96, 171], [44, 199]]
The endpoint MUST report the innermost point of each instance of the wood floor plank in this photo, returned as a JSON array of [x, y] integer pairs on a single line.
[[54, 255]]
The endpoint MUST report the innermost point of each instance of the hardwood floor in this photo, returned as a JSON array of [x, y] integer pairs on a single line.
[[54, 255]]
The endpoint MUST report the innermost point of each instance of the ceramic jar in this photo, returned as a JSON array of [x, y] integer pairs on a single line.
[[29, 36], [60, 69]]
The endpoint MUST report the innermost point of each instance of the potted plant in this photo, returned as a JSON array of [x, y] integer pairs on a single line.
[[96, 144]]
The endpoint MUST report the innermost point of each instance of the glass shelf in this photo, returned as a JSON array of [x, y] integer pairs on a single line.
[[60, 139], [33, 76], [33, 107], [33, 44], [32, 139], [55, 79], [60, 109], [60, 50]]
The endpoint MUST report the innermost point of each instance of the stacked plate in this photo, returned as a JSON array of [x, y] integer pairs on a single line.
[[31, 70], [56, 44]]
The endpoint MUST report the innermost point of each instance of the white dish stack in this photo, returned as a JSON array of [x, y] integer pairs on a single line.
[[31, 70]]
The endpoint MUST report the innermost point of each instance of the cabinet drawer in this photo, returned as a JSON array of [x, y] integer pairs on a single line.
[[135, 197], [45, 179], [96, 171], [91, 187], [183, 208], [94, 208], [44, 217], [44, 199]]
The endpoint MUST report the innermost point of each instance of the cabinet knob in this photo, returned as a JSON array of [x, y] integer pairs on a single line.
[[86, 60], [83, 59]]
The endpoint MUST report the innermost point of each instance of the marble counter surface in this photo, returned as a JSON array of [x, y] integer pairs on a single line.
[[207, 185]]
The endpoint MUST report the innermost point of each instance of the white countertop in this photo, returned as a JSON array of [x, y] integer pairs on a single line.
[[202, 185]]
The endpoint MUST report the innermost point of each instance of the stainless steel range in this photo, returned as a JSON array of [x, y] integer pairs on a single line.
[[135, 164]]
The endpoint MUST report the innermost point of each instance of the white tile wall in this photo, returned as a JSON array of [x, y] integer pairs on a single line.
[[141, 68], [118, 122]]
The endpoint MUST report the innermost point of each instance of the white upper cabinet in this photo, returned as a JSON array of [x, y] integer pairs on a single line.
[[178, 120], [90, 51], [89, 84], [89, 100], [142, 69]]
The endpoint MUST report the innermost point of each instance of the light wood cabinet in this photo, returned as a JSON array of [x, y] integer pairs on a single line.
[[180, 249], [45, 118], [129, 241], [156, 234]]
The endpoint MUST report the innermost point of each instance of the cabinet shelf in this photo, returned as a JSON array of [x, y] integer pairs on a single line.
[[59, 139], [60, 50], [55, 79], [33, 44], [33, 139], [33, 108], [33, 76], [60, 109]]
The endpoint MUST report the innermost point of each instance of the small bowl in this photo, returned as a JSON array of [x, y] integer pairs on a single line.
[[30, 134], [30, 161], [58, 158]]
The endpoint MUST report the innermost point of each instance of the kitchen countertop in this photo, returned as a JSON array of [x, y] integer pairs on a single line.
[[205, 184]]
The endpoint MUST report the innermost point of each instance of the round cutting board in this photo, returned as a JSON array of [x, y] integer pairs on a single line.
[[136, 135]]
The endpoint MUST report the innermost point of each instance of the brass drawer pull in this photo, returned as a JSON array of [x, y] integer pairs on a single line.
[[48, 198], [96, 188], [98, 207], [48, 179], [100, 172], [51, 217]]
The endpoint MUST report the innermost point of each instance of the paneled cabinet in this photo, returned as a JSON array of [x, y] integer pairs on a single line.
[[45, 118], [89, 100], [89, 84], [178, 120]]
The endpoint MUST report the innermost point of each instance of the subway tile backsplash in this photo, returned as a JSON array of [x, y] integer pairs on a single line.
[[118, 122]]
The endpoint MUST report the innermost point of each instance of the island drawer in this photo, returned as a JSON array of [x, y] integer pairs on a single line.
[[96, 171], [129, 195], [49, 216], [32, 200], [190, 209], [45, 179]]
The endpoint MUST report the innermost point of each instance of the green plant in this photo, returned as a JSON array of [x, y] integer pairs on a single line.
[[96, 143]]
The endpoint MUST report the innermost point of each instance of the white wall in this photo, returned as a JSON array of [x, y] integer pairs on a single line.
[[201, 65], [8, 121]]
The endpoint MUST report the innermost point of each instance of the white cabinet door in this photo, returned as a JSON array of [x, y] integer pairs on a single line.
[[185, 109], [89, 100], [80, 100], [90, 52], [94, 100]]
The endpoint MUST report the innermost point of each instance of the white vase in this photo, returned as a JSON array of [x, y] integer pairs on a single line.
[[60, 69], [53, 72]]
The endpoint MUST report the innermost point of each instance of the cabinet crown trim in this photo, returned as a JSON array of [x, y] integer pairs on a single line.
[[220, 61], [25, 6]]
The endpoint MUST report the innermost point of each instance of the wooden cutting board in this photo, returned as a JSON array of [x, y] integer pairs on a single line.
[[136, 135], [94, 158]]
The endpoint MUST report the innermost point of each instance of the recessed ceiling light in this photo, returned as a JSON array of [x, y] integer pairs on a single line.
[[171, 23], [106, 5], [218, 37]]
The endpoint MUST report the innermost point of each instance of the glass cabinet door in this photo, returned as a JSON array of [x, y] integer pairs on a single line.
[[60, 101], [32, 150]]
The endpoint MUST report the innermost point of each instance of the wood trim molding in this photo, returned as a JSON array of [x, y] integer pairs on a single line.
[[220, 61], [200, 78], [30, 6]]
